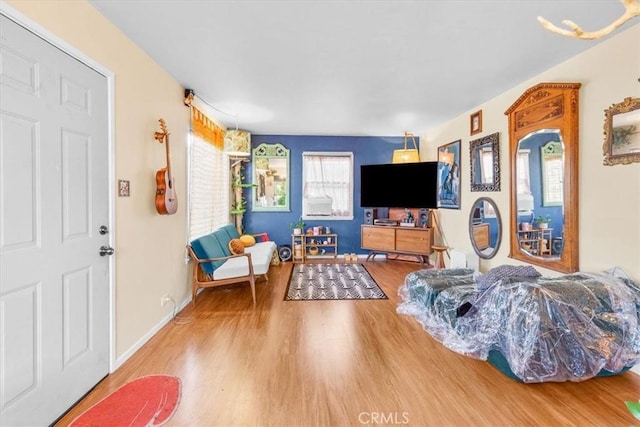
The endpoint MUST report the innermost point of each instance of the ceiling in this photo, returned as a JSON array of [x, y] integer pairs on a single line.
[[352, 67]]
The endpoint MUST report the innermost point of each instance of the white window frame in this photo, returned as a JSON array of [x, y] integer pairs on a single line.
[[552, 159], [349, 208]]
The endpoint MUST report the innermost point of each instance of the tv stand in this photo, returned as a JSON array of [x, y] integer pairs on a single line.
[[398, 240]]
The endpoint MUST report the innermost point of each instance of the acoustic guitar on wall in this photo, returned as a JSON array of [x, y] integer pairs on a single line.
[[166, 198]]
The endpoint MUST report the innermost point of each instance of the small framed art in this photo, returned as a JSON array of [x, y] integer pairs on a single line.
[[476, 122]]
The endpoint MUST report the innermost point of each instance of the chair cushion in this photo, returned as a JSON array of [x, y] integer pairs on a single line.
[[208, 247], [236, 246], [231, 231], [248, 240], [233, 267], [223, 238], [261, 254]]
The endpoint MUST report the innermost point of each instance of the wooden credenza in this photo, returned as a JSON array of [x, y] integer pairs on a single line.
[[398, 240]]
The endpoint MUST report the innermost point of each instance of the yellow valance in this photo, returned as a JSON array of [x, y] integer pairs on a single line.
[[206, 128]]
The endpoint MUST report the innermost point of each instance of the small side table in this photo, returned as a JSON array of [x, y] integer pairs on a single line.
[[439, 258]]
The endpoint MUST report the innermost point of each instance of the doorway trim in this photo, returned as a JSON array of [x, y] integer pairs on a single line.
[[37, 29]]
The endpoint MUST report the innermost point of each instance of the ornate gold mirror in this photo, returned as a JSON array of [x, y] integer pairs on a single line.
[[543, 151], [270, 178], [485, 227], [622, 133]]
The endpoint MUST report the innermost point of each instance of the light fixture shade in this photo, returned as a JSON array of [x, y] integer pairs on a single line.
[[237, 143], [407, 155]]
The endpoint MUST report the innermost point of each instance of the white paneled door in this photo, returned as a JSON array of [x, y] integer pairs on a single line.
[[54, 284]]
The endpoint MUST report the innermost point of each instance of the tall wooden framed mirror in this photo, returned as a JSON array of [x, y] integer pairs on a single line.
[[543, 153]]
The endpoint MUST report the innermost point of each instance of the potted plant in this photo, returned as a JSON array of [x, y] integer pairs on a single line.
[[543, 221], [297, 226]]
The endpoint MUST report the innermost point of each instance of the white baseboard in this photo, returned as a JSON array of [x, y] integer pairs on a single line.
[[636, 369], [146, 337]]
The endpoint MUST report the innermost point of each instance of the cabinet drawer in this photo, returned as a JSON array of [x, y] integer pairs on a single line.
[[481, 235], [378, 238], [414, 240]]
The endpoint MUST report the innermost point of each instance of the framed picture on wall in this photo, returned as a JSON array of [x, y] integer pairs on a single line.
[[476, 122], [622, 133], [449, 175]]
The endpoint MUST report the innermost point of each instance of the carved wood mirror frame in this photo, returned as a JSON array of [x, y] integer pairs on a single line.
[[549, 106]]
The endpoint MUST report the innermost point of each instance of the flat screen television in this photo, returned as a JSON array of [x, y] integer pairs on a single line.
[[400, 185]]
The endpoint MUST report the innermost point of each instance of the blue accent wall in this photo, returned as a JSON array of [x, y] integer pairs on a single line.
[[365, 149], [534, 143], [493, 231]]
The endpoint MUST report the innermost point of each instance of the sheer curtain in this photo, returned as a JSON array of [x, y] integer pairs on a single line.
[[208, 175], [553, 180], [330, 174]]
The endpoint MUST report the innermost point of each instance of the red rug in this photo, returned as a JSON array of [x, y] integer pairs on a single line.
[[145, 401]]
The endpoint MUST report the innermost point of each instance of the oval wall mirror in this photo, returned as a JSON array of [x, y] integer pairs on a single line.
[[485, 227], [543, 149]]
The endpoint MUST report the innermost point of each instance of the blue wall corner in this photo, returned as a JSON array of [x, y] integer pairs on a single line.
[[365, 149]]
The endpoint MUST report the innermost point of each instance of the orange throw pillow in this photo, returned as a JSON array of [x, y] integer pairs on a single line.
[[236, 246]]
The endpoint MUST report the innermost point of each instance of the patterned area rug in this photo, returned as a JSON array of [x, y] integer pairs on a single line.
[[332, 281]]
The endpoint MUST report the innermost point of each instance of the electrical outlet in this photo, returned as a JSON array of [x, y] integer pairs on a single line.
[[164, 299]]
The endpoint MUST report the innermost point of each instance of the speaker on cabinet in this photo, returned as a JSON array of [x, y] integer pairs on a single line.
[[370, 215], [423, 218], [284, 252]]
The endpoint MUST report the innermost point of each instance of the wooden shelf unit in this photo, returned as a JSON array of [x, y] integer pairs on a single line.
[[381, 239], [536, 241], [302, 243]]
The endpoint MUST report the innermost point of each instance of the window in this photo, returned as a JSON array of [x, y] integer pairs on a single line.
[[486, 157], [552, 173], [523, 183], [208, 198], [327, 185], [522, 172]]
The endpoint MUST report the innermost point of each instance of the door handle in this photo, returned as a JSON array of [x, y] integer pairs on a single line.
[[106, 250]]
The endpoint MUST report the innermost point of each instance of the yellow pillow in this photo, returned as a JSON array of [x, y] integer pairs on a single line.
[[236, 246], [248, 240]]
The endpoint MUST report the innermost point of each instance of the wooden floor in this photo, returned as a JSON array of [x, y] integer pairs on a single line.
[[344, 363]]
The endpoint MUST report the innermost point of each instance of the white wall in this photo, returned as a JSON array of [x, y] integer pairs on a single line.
[[609, 196]]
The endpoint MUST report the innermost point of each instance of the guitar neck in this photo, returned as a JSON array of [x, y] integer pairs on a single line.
[[166, 140]]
